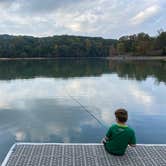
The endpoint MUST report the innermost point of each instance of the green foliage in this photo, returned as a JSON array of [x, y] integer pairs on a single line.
[[121, 47], [76, 46], [56, 46], [142, 44], [161, 42]]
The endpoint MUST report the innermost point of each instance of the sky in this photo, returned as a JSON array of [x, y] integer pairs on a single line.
[[104, 18]]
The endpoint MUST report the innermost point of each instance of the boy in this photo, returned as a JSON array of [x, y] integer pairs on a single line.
[[119, 136]]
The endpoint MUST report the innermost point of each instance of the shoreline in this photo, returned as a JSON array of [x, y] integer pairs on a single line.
[[137, 58], [108, 58]]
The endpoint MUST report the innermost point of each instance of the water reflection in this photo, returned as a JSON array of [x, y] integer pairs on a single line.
[[40, 109], [102, 95], [67, 68], [48, 121], [139, 70]]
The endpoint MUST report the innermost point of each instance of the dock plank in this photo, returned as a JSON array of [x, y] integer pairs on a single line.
[[31, 154]]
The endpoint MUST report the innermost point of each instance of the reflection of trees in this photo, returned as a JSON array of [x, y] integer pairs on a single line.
[[65, 68], [139, 70]]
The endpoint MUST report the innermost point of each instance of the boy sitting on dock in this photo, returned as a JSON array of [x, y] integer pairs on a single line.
[[119, 135]]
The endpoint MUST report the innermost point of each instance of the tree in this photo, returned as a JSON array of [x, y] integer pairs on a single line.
[[161, 42], [120, 48]]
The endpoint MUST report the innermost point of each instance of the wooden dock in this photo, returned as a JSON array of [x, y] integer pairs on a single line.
[[52, 154]]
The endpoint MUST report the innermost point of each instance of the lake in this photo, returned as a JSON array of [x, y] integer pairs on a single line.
[[72, 100]]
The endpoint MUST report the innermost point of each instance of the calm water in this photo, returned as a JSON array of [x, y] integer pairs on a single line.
[[38, 100]]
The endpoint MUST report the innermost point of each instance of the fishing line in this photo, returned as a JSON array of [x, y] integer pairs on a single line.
[[85, 109]]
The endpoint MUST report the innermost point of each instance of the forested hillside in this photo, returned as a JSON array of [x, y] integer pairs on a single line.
[[140, 44], [56, 46], [76, 46]]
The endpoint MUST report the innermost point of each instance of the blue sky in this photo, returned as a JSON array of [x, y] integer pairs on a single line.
[[106, 18]]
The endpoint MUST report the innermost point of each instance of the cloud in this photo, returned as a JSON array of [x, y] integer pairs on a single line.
[[38, 6], [5, 1], [145, 15], [75, 17]]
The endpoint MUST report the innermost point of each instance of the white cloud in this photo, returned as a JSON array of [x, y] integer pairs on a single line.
[[74, 27], [91, 18], [145, 15]]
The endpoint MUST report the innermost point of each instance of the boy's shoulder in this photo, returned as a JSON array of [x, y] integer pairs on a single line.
[[113, 125], [131, 129], [127, 127]]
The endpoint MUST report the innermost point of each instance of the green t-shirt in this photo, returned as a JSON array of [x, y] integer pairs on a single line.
[[119, 138]]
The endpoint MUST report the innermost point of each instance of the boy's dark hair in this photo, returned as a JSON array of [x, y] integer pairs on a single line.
[[121, 114]]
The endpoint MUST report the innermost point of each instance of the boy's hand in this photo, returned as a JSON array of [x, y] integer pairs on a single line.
[[104, 140], [132, 145]]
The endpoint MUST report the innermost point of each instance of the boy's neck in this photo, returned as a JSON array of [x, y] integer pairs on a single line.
[[121, 123]]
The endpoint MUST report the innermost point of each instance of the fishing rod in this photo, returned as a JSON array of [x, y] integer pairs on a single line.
[[85, 109]]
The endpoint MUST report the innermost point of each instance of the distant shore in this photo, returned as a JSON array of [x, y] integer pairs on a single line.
[[137, 58], [109, 58]]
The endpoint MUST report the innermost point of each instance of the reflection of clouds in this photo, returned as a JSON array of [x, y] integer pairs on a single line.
[[12, 92], [91, 123], [62, 121], [140, 95], [74, 85], [41, 108], [106, 93], [106, 116], [20, 136], [47, 120], [4, 104]]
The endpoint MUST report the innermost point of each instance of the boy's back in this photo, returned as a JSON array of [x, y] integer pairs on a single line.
[[119, 136]]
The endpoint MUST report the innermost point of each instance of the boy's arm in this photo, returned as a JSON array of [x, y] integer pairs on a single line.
[[109, 133], [132, 141], [107, 137]]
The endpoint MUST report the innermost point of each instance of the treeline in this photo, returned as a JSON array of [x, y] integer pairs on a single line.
[[140, 44], [76, 46], [56, 46]]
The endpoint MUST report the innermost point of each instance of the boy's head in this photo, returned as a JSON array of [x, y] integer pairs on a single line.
[[121, 115]]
